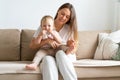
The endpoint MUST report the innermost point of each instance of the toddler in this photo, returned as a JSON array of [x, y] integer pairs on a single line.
[[47, 31]]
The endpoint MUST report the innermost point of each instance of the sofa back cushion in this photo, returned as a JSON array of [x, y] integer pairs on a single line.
[[27, 54], [88, 41], [9, 44]]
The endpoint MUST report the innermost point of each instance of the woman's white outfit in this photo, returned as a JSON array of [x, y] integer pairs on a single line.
[[61, 62]]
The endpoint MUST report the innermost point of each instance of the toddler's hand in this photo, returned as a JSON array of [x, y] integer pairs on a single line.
[[44, 32]]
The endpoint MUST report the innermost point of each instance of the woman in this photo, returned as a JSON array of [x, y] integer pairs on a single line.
[[65, 24]]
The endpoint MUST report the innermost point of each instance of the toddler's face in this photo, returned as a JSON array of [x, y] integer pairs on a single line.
[[47, 24]]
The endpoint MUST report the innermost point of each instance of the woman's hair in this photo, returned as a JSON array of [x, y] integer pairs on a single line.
[[72, 22]]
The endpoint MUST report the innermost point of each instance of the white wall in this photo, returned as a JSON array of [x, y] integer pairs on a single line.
[[26, 14], [116, 25]]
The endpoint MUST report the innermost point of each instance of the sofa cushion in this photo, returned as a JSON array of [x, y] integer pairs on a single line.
[[26, 52], [117, 55], [88, 41], [89, 68], [107, 46], [9, 44]]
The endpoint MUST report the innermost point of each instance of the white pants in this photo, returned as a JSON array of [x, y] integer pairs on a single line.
[[63, 63]]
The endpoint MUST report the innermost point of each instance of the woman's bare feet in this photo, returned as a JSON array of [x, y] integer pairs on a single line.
[[31, 66]]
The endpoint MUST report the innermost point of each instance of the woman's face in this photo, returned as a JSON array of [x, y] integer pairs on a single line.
[[63, 16]]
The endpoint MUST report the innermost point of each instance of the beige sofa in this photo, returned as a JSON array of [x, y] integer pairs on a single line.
[[15, 54]]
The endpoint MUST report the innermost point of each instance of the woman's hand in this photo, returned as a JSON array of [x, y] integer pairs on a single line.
[[53, 43], [71, 45], [49, 41]]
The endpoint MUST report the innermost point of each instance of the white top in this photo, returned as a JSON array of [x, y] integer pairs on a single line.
[[65, 33]]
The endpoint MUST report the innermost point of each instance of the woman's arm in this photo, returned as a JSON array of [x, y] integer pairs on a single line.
[[49, 41], [36, 41], [33, 44]]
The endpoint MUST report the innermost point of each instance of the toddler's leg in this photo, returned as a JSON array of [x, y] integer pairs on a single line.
[[38, 57]]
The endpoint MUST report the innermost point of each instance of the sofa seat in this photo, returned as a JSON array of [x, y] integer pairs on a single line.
[[15, 70], [7, 67], [93, 69], [97, 68]]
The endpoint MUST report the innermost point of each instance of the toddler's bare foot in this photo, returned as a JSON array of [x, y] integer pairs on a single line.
[[31, 67]]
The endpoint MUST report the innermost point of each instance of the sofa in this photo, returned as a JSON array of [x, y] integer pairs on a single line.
[[15, 54]]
